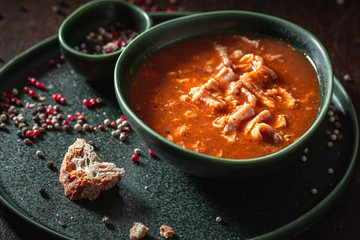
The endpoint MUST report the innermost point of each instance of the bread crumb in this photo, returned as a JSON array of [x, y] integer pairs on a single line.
[[166, 231], [138, 231]]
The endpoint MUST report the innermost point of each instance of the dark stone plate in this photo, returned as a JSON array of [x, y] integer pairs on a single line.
[[279, 205]]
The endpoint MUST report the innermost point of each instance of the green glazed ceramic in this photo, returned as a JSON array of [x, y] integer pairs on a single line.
[[275, 206], [209, 23], [90, 17]]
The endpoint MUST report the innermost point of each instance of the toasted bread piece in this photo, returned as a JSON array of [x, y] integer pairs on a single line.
[[138, 231], [166, 231], [84, 175]]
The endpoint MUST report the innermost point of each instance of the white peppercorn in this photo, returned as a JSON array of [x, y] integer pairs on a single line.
[[107, 122], [39, 153], [77, 127], [122, 136]]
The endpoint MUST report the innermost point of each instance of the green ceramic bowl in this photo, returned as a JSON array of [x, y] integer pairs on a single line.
[[88, 18], [210, 23]]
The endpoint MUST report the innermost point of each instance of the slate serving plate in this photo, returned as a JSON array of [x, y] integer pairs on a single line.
[[279, 205]]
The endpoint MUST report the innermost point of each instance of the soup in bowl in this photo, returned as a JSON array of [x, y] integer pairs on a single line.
[[225, 94]]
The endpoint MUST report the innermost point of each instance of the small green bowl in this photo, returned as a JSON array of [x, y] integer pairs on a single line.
[[220, 22], [88, 18]]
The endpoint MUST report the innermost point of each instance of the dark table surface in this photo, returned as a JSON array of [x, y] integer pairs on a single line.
[[335, 22]]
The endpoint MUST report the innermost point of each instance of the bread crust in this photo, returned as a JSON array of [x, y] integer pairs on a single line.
[[84, 175]]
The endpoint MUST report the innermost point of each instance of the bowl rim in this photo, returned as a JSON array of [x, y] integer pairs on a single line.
[[326, 100], [91, 5]]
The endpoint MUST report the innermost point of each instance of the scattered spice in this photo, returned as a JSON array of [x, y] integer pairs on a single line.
[[27, 141], [15, 91], [106, 220], [314, 191], [137, 151], [107, 122], [86, 126], [66, 128], [122, 136], [218, 219], [78, 127], [61, 223], [52, 62], [113, 124], [70, 117], [65, 122], [135, 158], [151, 153], [347, 77], [107, 39], [86, 102], [39, 153]]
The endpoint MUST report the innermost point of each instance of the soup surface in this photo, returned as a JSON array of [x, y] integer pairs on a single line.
[[227, 96]]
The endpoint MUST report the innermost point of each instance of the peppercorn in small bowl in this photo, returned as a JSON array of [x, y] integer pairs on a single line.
[[93, 36], [167, 98]]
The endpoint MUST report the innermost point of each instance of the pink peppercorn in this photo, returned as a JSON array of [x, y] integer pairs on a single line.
[[65, 122], [49, 110], [144, 7], [70, 117], [32, 81], [154, 8], [52, 62], [56, 108], [86, 102], [36, 132], [48, 121], [80, 116], [98, 100], [26, 89], [113, 124], [62, 100], [39, 85], [92, 102], [123, 118], [135, 158], [151, 153], [56, 97], [101, 127], [32, 93], [29, 134]]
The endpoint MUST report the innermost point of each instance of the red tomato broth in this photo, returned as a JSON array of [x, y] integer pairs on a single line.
[[167, 77]]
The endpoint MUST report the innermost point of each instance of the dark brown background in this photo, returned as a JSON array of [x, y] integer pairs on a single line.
[[336, 23]]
